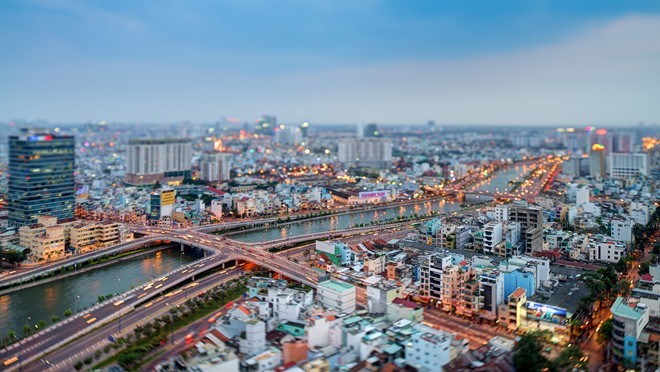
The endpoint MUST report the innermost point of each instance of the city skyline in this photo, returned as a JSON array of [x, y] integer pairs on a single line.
[[513, 63]]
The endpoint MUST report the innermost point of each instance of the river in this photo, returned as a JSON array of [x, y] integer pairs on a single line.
[[81, 291]]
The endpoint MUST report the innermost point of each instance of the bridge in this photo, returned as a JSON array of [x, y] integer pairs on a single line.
[[223, 251]]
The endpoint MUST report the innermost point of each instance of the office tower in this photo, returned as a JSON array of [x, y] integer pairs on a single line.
[[304, 128], [215, 166], [602, 138], [158, 160], [597, 161], [371, 130], [576, 167], [624, 142], [288, 135], [41, 181], [629, 165], [266, 125], [374, 152]]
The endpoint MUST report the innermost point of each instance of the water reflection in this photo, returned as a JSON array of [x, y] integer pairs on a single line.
[[43, 301]]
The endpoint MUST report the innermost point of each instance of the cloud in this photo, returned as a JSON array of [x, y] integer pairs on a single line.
[[609, 74]]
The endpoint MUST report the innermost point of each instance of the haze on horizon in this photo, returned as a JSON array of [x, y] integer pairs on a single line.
[[458, 62]]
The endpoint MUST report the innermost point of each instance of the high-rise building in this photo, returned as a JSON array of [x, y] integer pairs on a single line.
[[597, 161], [371, 130], [624, 142], [215, 166], [629, 317], [375, 152], [288, 135], [156, 160], [531, 225], [304, 128], [41, 167], [266, 125], [629, 165]]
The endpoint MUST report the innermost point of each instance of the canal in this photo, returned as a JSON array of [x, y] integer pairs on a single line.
[[345, 221], [81, 291], [500, 181]]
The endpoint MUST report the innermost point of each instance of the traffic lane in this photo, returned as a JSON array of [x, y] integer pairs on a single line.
[[197, 331], [56, 334], [131, 320]]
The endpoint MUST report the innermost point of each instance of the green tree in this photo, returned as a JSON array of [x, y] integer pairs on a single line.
[[68, 313], [604, 334], [568, 359], [54, 319], [528, 352], [644, 268], [26, 330]]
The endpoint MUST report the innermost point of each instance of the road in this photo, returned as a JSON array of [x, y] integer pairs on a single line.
[[477, 334], [65, 357]]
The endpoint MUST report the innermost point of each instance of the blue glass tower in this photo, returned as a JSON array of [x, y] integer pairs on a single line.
[[41, 167]]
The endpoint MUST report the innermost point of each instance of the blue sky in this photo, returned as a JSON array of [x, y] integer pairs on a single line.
[[456, 61]]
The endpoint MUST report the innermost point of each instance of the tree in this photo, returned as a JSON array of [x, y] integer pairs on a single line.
[[27, 330], [68, 313], [568, 359], [604, 334], [527, 354], [54, 319], [644, 268]]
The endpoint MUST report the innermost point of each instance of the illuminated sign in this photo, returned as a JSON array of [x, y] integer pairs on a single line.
[[167, 197], [374, 194], [546, 312], [36, 138]]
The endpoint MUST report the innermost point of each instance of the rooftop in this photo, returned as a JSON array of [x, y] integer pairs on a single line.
[[624, 309], [337, 286]]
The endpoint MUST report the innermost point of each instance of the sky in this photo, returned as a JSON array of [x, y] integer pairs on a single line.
[[594, 62]]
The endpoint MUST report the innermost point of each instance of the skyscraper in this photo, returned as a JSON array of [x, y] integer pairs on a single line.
[[41, 181]]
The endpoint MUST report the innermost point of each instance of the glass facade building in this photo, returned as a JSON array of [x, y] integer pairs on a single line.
[[41, 167]]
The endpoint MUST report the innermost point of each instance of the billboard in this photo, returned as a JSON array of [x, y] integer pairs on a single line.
[[546, 312], [374, 194], [167, 197]]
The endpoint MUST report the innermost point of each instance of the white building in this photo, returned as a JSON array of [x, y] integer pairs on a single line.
[[267, 360], [254, 341], [288, 135], [582, 195], [216, 208], [622, 229], [365, 151], [606, 249], [337, 295], [151, 160], [498, 213], [492, 236], [215, 166], [628, 165], [429, 349]]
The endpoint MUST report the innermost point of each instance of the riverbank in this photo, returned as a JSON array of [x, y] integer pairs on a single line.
[[51, 277]]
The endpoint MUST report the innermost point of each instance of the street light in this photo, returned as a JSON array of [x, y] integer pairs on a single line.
[[75, 309]]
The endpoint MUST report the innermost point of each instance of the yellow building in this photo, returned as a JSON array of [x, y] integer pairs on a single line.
[[513, 313], [46, 239]]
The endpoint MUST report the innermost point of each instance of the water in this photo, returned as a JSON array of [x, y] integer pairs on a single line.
[[346, 221], [43, 301], [500, 181]]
